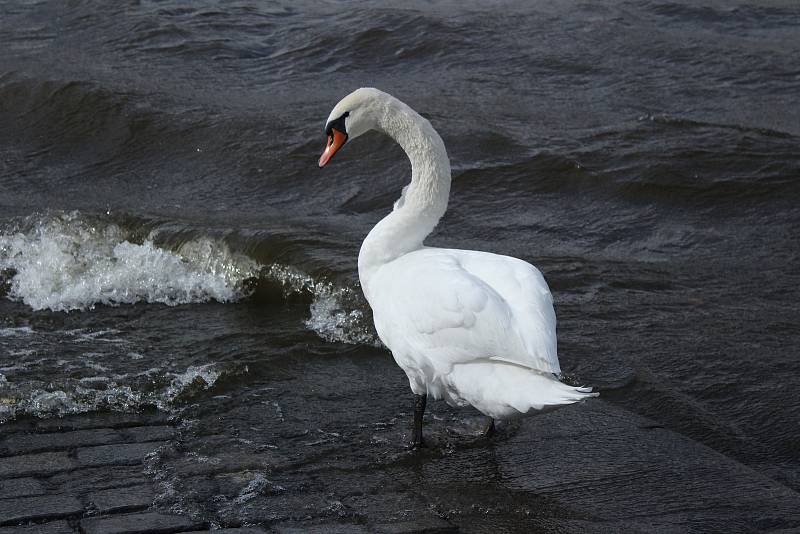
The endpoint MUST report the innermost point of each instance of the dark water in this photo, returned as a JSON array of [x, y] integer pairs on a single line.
[[166, 239]]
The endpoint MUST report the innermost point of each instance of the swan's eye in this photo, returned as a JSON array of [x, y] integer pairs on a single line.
[[339, 124]]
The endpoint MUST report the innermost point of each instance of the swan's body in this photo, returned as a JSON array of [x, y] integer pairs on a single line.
[[471, 327]]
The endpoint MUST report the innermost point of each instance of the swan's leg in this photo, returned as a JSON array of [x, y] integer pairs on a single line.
[[489, 430], [419, 411]]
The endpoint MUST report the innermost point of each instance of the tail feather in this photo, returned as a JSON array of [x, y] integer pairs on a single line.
[[503, 390]]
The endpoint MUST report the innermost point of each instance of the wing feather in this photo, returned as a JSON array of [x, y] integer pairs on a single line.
[[448, 306]]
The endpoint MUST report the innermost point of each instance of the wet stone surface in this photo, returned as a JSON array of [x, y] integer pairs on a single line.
[[195, 475], [51, 527], [84, 474], [143, 522]]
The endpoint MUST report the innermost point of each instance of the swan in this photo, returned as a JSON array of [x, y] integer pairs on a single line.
[[472, 328]]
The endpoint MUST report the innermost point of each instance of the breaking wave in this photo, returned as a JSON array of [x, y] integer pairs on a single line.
[[67, 262]]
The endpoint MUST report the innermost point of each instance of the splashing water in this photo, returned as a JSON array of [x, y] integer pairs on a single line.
[[336, 312], [65, 263], [72, 396], [70, 262]]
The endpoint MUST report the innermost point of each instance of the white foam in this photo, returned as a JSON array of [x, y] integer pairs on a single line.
[[257, 486], [202, 377], [334, 322], [16, 332], [101, 392], [64, 263], [336, 312]]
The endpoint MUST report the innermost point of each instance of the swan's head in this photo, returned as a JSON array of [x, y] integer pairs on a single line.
[[354, 115]]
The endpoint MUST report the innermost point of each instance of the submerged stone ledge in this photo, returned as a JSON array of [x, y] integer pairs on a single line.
[[84, 474], [591, 468]]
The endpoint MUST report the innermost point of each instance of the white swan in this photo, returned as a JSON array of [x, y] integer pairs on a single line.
[[470, 327]]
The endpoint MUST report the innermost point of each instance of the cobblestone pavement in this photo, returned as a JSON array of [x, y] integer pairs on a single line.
[[91, 474], [85, 474]]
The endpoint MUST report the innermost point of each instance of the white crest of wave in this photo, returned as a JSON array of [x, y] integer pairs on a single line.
[[68, 262], [336, 312], [65, 263]]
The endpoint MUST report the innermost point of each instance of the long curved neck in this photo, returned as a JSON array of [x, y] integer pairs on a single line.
[[423, 201]]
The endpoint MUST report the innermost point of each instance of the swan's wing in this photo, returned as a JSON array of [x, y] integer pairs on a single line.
[[525, 290], [440, 305]]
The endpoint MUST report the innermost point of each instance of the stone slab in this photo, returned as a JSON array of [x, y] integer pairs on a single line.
[[649, 477], [29, 443], [38, 508], [44, 464], [122, 499], [330, 528], [100, 420], [140, 523], [122, 454], [92, 479], [20, 487], [149, 433], [53, 527], [426, 525]]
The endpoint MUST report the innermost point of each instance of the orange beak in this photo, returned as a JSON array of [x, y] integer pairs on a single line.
[[335, 141]]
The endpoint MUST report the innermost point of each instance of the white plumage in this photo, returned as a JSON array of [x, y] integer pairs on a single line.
[[473, 328]]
